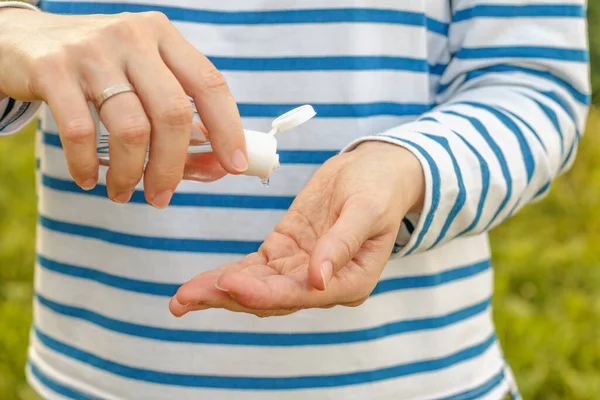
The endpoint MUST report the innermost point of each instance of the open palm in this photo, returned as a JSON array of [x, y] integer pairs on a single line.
[[329, 248]]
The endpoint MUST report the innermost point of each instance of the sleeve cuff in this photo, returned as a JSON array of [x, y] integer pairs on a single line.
[[15, 115], [422, 231]]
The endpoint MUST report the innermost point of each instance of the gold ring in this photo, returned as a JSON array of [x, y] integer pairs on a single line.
[[113, 91]]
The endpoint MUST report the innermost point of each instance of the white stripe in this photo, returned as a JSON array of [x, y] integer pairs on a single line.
[[343, 39], [153, 310], [250, 5], [108, 386], [226, 360]]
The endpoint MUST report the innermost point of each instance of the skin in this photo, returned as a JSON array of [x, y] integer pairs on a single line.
[[329, 249], [67, 61], [331, 246]]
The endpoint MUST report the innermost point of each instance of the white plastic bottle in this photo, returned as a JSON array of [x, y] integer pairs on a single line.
[[261, 147]]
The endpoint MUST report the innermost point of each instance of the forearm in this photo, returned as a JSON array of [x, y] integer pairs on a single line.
[[511, 110]]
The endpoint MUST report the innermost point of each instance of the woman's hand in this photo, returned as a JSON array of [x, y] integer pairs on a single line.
[[329, 249], [67, 61]]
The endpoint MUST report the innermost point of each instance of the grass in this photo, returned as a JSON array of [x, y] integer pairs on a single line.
[[547, 304]]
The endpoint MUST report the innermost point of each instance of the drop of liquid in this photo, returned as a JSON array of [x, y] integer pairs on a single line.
[[265, 183]]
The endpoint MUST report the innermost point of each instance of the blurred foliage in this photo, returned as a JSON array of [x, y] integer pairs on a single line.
[[594, 28], [17, 240], [547, 303]]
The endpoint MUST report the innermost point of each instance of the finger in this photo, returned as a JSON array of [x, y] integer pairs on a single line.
[[340, 244], [76, 128], [198, 294], [199, 134], [203, 168], [171, 113], [197, 289], [125, 119], [275, 292], [213, 99]]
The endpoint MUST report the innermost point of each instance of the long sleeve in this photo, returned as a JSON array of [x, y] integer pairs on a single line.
[[510, 112], [14, 114]]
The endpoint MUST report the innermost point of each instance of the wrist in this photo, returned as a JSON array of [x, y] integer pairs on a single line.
[[407, 168]]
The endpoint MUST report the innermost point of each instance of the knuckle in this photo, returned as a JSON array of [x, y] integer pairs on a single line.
[[46, 69], [179, 112], [133, 131], [48, 64], [79, 131], [163, 175], [126, 28], [156, 17], [357, 303], [213, 79], [351, 244], [126, 179], [82, 171]]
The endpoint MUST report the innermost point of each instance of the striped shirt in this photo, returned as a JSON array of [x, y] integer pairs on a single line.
[[490, 95]]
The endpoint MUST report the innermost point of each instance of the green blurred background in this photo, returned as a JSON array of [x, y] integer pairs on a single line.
[[547, 303]]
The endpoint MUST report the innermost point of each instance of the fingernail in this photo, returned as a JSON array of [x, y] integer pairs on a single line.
[[89, 184], [239, 161], [162, 199], [220, 288], [123, 197], [326, 272]]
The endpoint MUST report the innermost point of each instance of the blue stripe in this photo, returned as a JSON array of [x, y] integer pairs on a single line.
[[278, 17], [354, 110], [526, 153], [552, 53], [55, 386], [324, 63], [485, 179], [583, 98], [264, 339], [182, 199], [169, 289], [266, 383], [435, 191], [479, 127], [528, 126], [312, 157], [554, 119], [543, 190], [149, 242], [485, 184], [571, 152], [438, 69], [426, 281], [515, 11], [119, 282], [480, 391], [563, 104], [22, 110], [9, 107], [461, 197], [409, 225], [51, 139], [315, 157]]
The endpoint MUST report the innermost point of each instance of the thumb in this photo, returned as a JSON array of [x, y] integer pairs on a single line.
[[335, 249]]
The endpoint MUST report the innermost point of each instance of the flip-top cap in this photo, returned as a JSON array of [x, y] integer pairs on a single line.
[[293, 118]]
